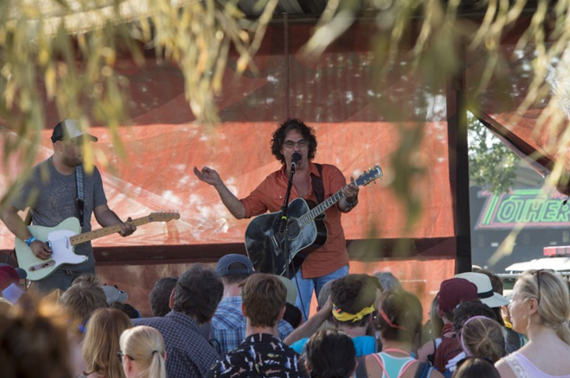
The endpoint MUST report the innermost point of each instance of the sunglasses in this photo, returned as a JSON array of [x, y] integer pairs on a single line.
[[120, 354], [537, 274]]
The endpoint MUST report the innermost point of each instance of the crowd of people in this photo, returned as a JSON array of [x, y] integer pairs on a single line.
[[229, 322], [232, 321]]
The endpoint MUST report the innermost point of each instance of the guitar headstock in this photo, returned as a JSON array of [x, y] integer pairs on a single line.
[[163, 216], [368, 176]]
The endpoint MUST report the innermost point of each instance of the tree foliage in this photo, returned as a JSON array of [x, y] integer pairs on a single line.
[[65, 52], [492, 165]]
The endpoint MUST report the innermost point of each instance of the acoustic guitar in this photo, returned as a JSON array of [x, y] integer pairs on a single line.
[[306, 231]]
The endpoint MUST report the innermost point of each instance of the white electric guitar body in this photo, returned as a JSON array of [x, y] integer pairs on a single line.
[[63, 238]]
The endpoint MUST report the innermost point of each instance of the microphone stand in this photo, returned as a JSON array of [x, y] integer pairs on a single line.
[[283, 229], [284, 221]]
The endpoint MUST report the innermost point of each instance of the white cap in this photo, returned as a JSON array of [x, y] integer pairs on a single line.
[[68, 129], [484, 289]]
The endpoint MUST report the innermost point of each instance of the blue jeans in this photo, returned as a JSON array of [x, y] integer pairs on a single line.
[[306, 286]]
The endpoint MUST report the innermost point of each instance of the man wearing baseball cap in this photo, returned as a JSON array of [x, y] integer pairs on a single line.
[[9, 283], [53, 193], [228, 322], [452, 293]]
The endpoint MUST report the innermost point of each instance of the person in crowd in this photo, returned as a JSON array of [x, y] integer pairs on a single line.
[[388, 281], [476, 367], [193, 301], [159, 296], [10, 288], [330, 353], [101, 343], [470, 309], [485, 291], [461, 315], [53, 200], [229, 323], [483, 337], [322, 319], [432, 328], [452, 293], [496, 282], [81, 300], [541, 310], [128, 309], [34, 343], [495, 300], [352, 300], [310, 182], [293, 315], [143, 353], [399, 322], [5, 304], [10, 275], [261, 354], [515, 340]]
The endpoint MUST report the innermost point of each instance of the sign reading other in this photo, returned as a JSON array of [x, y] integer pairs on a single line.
[[523, 205]]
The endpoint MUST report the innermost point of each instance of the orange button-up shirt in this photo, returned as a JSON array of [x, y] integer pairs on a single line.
[[269, 196]]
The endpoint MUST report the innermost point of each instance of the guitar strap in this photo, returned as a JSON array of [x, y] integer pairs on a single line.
[[317, 182], [80, 196]]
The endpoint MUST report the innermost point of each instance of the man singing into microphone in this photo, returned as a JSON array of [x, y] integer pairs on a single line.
[[293, 138]]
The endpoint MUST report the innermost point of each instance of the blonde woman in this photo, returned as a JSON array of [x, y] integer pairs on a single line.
[[541, 310], [142, 353], [483, 337], [101, 343]]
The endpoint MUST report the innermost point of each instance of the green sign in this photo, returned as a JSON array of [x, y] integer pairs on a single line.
[[523, 205]]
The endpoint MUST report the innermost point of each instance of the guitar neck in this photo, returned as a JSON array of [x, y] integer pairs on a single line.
[[320, 208], [105, 231]]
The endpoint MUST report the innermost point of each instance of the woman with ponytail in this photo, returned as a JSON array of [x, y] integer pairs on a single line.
[[540, 309], [483, 337], [142, 353], [399, 321]]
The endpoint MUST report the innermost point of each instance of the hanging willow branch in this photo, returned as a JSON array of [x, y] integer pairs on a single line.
[[441, 28], [66, 52]]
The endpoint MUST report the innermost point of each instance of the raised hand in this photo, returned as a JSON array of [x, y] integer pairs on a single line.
[[208, 175]]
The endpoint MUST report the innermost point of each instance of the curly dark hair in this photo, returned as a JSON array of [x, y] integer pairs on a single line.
[[279, 137], [159, 296], [352, 293], [198, 292]]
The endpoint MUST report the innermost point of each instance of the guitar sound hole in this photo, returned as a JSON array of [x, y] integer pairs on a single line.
[[293, 230]]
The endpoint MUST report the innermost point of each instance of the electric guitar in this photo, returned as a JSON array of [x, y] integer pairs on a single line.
[[306, 231], [63, 238]]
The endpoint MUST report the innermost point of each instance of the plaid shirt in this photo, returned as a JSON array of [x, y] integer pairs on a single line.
[[189, 355], [229, 323], [261, 355]]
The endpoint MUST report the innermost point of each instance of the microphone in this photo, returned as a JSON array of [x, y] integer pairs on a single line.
[[295, 159]]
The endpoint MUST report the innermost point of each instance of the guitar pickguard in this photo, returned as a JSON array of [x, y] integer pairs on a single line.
[[62, 250]]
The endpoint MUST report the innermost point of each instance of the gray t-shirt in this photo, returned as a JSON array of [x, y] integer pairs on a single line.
[[53, 198]]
